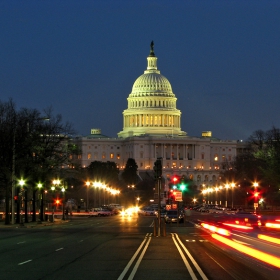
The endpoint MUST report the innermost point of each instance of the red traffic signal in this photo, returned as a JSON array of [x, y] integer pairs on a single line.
[[15, 197], [175, 180], [57, 201]]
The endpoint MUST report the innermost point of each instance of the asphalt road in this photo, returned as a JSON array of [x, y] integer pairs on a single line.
[[122, 248]]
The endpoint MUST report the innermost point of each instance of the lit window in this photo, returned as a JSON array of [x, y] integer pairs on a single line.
[[103, 155], [118, 156], [111, 155], [70, 156], [89, 155]]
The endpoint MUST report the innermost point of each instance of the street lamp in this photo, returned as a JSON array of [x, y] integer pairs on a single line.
[[194, 201], [226, 186], [40, 187], [216, 189], [232, 187], [57, 182], [256, 194], [87, 184], [53, 202], [21, 183], [63, 201]]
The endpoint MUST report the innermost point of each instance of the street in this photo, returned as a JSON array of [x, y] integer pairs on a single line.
[[123, 248]]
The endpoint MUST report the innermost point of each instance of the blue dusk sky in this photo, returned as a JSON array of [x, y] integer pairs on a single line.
[[82, 57]]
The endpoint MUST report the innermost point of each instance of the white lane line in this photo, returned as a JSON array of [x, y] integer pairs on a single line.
[[80, 241], [132, 259], [139, 261], [25, 262], [21, 242], [184, 258], [192, 259], [59, 249]]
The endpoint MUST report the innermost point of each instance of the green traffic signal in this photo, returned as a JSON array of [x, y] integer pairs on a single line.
[[182, 187]]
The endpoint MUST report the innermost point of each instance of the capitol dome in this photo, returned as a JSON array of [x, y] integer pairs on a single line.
[[152, 84], [151, 105]]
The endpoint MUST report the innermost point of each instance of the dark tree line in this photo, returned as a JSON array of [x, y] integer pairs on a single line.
[[34, 146], [260, 162]]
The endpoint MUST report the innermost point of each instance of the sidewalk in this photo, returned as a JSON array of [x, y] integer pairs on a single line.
[[33, 224]]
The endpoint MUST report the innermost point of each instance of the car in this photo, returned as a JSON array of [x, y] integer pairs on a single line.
[[172, 216], [244, 218], [98, 212], [147, 211]]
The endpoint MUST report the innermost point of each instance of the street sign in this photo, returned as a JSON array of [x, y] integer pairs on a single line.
[[178, 196], [168, 207], [174, 206]]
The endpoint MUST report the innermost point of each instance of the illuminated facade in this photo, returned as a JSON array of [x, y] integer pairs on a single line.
[[152, 129]]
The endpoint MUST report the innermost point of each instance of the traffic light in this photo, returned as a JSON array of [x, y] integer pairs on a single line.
[[15, 198], [57, 202], [158, 169], [256, 195], [174, 181], [182, 186]]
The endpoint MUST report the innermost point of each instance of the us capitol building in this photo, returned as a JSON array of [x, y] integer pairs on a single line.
[[152, 129]]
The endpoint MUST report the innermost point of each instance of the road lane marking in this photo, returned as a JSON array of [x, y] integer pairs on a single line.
[[59, 249], [21, 242], [199, 270], [139, 260], [184, 258], [25, 262], [133, 258]]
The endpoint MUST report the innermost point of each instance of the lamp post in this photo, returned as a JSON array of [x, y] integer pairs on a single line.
[[87, 184], [41, 215], [137, 201], [255, 184], [194, 201], [21, 183], [56, 183], [226, 186], [53, 188], [232, 187], [63, 201], [216, 189]]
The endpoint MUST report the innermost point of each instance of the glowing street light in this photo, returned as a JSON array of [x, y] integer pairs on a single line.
[[226, 186], [232, 187], [40, 187], [21, 183], [87, 184]]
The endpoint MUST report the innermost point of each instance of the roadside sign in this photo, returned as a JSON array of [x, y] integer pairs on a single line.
[[167, 207], [256, 205], [174, 206], [178, 196]]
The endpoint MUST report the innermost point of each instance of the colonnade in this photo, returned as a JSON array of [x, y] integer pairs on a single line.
[[163, 120]]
